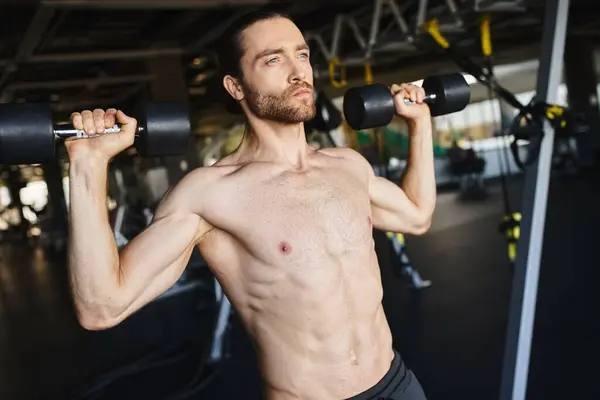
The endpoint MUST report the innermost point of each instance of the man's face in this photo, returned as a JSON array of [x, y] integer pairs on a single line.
[[277, 75]]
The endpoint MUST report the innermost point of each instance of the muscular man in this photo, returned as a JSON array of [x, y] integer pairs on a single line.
[[286, 229]]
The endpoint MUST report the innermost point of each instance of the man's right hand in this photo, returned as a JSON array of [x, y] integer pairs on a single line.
[[100, 146]]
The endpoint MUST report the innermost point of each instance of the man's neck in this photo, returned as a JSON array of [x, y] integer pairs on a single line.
[[275, 142]]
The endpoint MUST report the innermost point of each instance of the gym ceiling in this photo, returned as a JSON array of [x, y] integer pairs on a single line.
[[94, 53]]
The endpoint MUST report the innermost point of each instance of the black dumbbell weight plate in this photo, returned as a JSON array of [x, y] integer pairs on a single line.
[[452, 93], [164, 129], [369, 106], [26, 135]]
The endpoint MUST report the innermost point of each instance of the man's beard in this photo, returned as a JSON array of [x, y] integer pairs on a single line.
[[281, 108]]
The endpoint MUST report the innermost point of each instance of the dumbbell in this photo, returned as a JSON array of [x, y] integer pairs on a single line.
[[372, 106], [28, 134]]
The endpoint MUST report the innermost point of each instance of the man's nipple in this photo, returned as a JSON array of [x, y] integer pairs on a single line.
[[285, 247]]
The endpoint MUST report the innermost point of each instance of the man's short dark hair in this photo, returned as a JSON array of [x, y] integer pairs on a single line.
[[231, 49]]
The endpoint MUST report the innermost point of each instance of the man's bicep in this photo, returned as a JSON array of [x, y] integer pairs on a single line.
[[391, 209], [153, 260], [155, 286]]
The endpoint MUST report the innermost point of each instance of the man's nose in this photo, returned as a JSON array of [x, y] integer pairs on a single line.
[[297, 73]]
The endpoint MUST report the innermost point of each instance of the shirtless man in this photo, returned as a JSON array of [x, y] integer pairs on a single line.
[[286, 229]]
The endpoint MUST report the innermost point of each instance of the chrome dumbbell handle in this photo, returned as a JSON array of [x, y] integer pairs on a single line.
[[68, 131]]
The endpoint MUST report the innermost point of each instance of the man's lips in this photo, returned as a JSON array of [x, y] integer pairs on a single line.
[[302, 92]]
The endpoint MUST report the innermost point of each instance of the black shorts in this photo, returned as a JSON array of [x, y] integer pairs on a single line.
[[399, 383]]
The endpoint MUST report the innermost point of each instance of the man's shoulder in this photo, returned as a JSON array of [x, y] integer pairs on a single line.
[[197, 185], [342, 152], [205, 175], [210, 174], [347, 153], [220, 175], [197, 181]]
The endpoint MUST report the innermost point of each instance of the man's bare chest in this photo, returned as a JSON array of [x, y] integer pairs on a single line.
[[299, 216]]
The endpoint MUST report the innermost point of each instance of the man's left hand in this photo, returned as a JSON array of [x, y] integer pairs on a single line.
[[415, 111]]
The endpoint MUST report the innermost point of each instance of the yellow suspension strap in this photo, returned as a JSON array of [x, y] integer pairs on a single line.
[[511, 223], [337, 73], [368, 73], [465, 62], [433, 29], [399, 236], [486, 45], [511, 227], [486, 37], [556, 115]]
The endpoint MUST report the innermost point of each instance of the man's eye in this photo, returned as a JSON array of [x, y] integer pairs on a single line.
[[305, 55], [272, 60]]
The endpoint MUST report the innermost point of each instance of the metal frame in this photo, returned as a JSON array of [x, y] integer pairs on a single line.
[[365, 24], [99, 56], [499, 5], [537, 178], [91, 82], [370, 44], [34, 34]]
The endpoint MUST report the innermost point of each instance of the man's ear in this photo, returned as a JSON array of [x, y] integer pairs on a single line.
[[233, 87]]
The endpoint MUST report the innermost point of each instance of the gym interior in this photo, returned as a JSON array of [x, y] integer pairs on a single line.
[[478, 306]]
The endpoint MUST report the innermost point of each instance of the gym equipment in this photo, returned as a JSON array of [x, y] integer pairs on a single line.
[[519, 333], [28, 134], [511, 229], [372, 105], [327, 118], [529, 123], [528, 126], [545, 122], [402, 265], [337, 73]]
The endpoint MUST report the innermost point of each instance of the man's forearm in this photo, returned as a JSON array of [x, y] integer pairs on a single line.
[[418, 181], [93, 255]]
